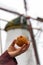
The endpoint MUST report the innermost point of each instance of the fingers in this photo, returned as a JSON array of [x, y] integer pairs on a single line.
[[28, 42], [19, 50], [25, 48], [22, 49]]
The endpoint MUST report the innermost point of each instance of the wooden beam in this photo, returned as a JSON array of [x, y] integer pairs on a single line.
[[1, 29], [10, 11], [4, 20], [34, 43], [40, 19], [37, 19], [37, 29], [28, 17]]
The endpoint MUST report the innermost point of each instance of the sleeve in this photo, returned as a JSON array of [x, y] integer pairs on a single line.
[[6, 59]]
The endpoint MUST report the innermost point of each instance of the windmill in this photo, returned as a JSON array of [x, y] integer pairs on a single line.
[[30, 26]]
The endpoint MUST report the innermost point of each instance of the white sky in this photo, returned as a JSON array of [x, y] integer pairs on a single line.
[[35, 9]]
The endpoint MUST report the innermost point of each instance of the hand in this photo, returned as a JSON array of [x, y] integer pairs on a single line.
[[13, 51]]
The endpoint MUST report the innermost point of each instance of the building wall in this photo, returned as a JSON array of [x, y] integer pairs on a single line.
[[27, 58]]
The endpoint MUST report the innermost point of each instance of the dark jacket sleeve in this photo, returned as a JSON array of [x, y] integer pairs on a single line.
[[6, 59]]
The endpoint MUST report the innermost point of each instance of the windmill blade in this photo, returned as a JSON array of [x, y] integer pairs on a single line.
[[4, 20], [10, 11], [39, 19], [25, 4], [39, 29], [1, 29]]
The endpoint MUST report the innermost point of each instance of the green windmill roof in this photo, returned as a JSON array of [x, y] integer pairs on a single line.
[[15, 23]]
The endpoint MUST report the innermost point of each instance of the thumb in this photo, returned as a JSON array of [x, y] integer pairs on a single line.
[[13, 43]]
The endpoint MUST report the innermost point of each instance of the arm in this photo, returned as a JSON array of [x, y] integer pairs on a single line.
[[6, 59]]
